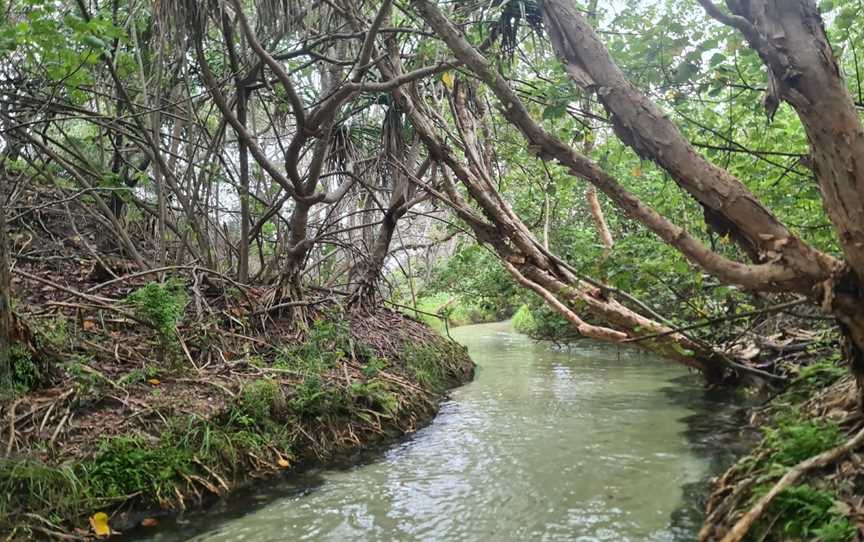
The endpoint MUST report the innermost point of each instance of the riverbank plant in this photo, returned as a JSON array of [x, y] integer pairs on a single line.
[[343, 385], [797, 425]]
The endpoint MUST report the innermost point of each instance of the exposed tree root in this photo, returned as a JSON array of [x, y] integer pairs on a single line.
[[742, 527]]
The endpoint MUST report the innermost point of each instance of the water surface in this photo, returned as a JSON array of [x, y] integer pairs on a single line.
[[588, 443]]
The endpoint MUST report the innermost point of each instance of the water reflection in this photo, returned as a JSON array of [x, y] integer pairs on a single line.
[[585, 443]]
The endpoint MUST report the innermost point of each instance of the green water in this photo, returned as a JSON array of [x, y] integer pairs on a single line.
[[584, 444]]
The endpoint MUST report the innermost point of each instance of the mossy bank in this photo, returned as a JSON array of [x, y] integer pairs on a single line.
[[136, 442], [808, 440]]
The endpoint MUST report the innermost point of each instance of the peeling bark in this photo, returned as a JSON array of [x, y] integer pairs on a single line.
[[644, 127], [790, 38]]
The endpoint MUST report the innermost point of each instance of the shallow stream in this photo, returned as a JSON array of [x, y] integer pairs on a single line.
[[585, 443]]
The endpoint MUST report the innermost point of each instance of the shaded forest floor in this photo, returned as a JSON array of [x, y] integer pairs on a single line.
[[134, 395]]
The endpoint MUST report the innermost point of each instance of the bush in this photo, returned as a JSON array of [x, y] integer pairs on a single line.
[[523, 320], [161, 306]]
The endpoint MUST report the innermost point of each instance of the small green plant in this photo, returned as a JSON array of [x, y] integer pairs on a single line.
[[821, 374], [53, 332], [425, 364], [806, 513], [28, 485], [86, 383], [137, 376], [128, 465], [373, 366], [377, 394], [314, 397], [162, 306], [795, 439], [259, 398], [327, 342], [25, 372]]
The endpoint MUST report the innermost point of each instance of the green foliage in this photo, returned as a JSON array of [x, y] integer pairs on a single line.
[[821, 374], [25, 372], [161, 305], [425, 365], [259, 398], [375, 394], [523, 320], [536, 319], [458, 311], [150, 469], [137, 376], [483, 289], [87, 383], [373, 366], [794, 438], [53, 332], [328, 341], [806, 513], [29, 484], [315, 397], [126, 465]]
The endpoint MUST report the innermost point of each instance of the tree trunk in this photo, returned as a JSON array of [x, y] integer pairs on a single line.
[[366, 290], [243, 259], [6, 320], [802, 71]]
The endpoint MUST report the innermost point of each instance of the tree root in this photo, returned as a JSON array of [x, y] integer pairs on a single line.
[[743, 525]]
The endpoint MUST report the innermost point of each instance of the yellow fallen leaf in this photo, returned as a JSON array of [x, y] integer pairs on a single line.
[[637, 171], [99, 523], [448, 79], [154, 382], [283, 463]]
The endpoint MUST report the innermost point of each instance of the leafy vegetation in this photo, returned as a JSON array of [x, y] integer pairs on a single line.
[[793, 438], [292, 186], [806, 513], [162, 306]]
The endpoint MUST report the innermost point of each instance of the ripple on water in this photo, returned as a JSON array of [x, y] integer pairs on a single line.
[[577, 444]]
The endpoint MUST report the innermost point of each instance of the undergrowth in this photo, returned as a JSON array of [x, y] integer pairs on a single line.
[[804, 512], [161, 305], [304, 389], [809, 510]]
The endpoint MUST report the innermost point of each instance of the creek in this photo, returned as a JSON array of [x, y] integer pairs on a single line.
[[584, 443]]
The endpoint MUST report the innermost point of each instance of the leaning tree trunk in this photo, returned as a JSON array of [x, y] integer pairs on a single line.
[[790, 38]]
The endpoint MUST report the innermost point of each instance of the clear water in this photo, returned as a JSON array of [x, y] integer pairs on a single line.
[[587, 443]]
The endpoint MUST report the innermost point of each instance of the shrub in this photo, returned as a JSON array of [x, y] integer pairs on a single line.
[[160, 305]]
